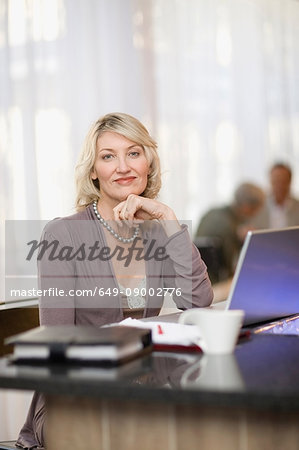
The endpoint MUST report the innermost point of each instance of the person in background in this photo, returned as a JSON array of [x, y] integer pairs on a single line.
[[119, 217], [281, 209], [230, 223]]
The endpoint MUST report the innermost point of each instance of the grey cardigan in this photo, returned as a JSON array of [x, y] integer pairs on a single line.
[[78, 281]]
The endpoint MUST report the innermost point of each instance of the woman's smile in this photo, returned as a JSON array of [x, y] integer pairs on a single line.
[[125, 180]]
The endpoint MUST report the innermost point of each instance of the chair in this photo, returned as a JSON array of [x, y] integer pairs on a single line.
[[211, 251]]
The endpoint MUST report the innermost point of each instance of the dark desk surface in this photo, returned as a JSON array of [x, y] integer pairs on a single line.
[[262, 373]]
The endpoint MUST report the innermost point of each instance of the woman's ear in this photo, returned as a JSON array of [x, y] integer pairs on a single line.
[[93, 175]]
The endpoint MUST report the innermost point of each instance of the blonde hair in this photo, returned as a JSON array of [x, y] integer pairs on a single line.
[[88, 189]]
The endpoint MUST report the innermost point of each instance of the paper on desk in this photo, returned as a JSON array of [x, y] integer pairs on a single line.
[[165, 333]]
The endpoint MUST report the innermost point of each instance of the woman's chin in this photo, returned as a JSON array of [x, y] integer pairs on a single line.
[[123, 196]]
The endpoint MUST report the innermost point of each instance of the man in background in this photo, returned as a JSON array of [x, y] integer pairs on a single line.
[[280, 209], [229, 225]]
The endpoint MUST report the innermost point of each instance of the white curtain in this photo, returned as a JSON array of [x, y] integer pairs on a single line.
[[215, 81], [227, 97]]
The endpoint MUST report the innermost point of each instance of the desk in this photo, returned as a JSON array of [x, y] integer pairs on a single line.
[[171, 401], [16, 317]]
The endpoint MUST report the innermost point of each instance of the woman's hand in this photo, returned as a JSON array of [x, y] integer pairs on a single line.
[[135, 209]]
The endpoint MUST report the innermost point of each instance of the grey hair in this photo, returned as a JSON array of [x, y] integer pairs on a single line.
[[249, 194]]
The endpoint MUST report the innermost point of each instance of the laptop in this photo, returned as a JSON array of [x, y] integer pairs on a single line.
[[266, 280]]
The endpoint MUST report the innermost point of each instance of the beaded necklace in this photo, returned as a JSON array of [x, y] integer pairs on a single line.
[[110, 229]]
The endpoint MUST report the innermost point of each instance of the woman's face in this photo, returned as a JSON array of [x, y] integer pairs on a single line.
[[120, 166]]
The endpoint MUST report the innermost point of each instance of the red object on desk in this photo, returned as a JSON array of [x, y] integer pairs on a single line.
[[160, 331], [187, 348], [177, 348]]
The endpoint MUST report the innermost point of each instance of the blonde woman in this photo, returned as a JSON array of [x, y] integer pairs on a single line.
[[123, 249]]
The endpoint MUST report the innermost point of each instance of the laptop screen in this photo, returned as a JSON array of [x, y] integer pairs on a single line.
[[266, 281]]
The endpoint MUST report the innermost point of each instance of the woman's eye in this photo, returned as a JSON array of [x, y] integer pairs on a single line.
[[135, 154], [106, 157]]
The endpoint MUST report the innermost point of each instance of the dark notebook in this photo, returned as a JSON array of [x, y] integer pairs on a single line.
[[81, 344]]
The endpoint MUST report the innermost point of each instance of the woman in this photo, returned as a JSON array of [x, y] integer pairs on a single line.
[[123, 249]]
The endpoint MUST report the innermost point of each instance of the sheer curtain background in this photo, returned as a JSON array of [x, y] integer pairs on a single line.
[[216, 82]]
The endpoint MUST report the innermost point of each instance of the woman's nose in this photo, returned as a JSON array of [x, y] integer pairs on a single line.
[[122, 165]]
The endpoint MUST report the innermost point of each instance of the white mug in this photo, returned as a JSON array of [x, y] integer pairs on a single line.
[[219, 329]]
